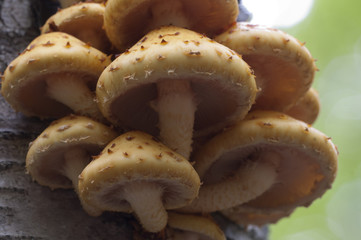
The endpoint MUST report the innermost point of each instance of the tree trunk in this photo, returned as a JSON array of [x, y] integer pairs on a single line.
[[31, 211]]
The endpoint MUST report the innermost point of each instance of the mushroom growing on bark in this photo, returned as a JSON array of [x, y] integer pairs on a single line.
[[283, 66], [127, 21], [60, 153], [137, 173], [304, 162], [174, 81], [83, 21], [54, 76]]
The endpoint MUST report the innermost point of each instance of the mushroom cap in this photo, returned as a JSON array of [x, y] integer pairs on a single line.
[[203, 226], [45, 158], [222, 83], [83, 21], [247, 216], [127, 21], [137, 157], [306, 167], [283, 66], [49, 55], [307, 108]]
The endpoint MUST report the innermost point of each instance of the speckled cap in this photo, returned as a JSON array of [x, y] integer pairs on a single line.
[[52, 54], [45, 158], [84, 21], [222, 83], [306, 158], [137, 157], [283, 66], [127, 21]]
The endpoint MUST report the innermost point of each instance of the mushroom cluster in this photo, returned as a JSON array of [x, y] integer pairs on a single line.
[[154, 97]]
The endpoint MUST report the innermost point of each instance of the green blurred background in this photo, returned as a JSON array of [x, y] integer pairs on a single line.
[[332, 32]]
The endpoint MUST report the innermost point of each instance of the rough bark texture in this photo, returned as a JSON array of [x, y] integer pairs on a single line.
[[31, 211]]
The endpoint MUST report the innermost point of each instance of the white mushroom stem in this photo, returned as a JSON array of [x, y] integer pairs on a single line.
[[245, 184], [72, 92], [168, 12], [75, 160], [145, 199], [176, 107]]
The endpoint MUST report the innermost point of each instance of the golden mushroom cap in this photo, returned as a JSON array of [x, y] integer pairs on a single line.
[[222, 83], [127, 21], [48, 56], [283, 66]]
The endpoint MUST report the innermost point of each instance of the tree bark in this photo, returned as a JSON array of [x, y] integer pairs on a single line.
[[31, 211]]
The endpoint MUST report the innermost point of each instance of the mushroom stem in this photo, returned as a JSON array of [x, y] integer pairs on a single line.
[[247, 183], [168, 12], [73, 93], [75, 160], [176, 107], [146, 201]]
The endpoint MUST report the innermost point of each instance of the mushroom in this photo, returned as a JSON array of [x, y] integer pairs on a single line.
[[307, 108], [304, 159], [54, 76], [126, 22], [192, 227], [60, 153], [137, 173], [83, 21], [283, 66], [174, 81]]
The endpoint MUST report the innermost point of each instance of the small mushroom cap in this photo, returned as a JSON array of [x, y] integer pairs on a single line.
[[248, 216], [307, 162], [45, 158], [137, 157], [283, 66], [307, 108], [127, 21], [203, 226], [83, 21], [49, 55], [221, 81]]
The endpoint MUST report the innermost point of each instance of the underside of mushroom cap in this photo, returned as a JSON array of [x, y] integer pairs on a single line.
[[136, 157], [48, 56], [83, 21], [128, 21], [222, 83], [45, 158], [307, 158], [283, 66]]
